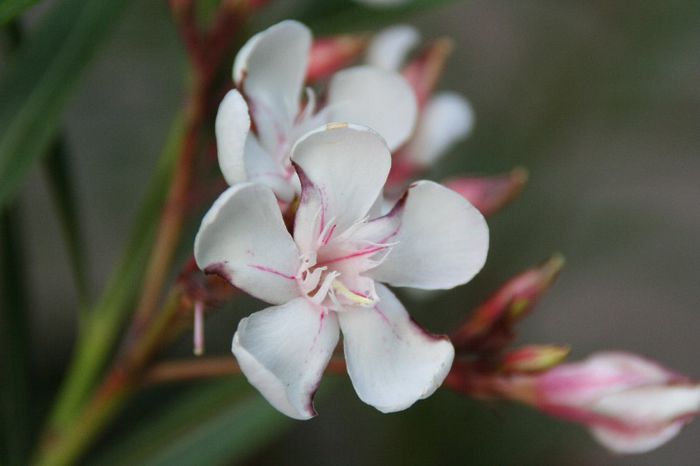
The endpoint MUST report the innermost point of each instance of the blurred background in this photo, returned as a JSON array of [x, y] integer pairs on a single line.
[[598, 99]]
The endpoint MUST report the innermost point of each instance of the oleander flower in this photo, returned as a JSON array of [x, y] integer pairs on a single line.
[[328, 275], [630, 404], [269, 73]]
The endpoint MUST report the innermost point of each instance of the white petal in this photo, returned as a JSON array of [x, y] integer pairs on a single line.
[[244, 239], [380, 99], [232, 126], [261, 167], [443, 240], [389, 48], [630, 442], [272, 67], [651, 404], [392, 362], [240, 64], [446, 119], [342, 169], [283, 351]]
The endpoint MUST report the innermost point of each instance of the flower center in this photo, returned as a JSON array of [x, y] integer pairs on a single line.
[[332, 275], [324, 286]]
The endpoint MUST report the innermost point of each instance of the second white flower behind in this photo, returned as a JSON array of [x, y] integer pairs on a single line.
[[327, 276]]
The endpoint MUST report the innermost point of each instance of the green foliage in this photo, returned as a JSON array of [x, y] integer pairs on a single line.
[[10, 9], [212, 424], [39, 81]]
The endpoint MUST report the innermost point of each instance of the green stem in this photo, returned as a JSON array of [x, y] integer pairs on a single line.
[[66, 445], [174, 211], [107, 318]]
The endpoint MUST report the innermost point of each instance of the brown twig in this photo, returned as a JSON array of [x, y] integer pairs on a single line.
[[204, 368], [184, 14], [205, 64]]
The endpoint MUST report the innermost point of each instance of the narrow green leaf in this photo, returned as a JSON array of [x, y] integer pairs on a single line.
[[10, 9], [213, 424], [14, 343], [333, 16], [106, 320], [58, 173], [40, 79]]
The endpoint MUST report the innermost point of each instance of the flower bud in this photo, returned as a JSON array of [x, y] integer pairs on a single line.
[[490, 326], [630, 404], [425, 70], [329, 54], [534, 358], [490, 194]]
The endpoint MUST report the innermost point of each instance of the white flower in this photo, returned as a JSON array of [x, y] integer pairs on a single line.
[[327, 276], [269, 71]]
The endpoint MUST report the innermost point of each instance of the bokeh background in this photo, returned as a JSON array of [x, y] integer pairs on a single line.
[[598, 99]]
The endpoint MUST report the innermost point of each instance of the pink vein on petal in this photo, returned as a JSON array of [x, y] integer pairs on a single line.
[[329, 235], [320, 328], [364, 252], [388, 322], [264, 268]]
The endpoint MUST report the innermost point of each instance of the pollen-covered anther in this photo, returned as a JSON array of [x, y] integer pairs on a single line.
[[353, 296]]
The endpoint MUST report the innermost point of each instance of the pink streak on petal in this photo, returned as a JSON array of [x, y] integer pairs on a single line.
[[264, 268], [388, 322], [329, 235], [361, 253], [320, 328]]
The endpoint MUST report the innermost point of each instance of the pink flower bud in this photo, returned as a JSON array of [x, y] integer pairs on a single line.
[[329, 54], [424, 71], [490, 194], [534, 358], [490, 326], [630, 404]]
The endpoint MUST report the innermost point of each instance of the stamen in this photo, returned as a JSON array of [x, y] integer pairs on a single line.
[[343, 290], [320, 295]]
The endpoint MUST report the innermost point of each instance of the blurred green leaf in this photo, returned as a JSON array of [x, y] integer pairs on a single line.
[[108, 315], [333, 16], [39, 80], [58, 174], [14, 343], [10, 9], [214, 424]]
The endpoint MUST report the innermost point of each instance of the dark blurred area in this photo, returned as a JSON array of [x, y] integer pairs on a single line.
[[599, 100]]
